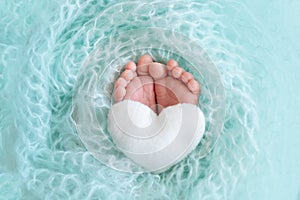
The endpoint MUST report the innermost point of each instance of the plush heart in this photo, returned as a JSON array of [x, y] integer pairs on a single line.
[[155, 142]]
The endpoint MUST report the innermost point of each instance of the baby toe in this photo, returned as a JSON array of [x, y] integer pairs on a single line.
[[121, 82], [186, 77], [177, 71], [194, 86], [171, 64], [131, 66], [143, 70], [128, 75], [119, 93]]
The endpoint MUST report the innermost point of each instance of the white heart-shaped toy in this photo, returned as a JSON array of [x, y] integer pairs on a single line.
[[155, 142]]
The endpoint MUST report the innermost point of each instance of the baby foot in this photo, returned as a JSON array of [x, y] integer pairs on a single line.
[[156, 85], [136, 84], [173, 85]]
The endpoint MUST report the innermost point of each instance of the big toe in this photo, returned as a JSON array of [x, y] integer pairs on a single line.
[[157, 70], [145, 59], [143, 67]]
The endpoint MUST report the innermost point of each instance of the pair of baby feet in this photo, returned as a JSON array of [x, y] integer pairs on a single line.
[[156, 85]]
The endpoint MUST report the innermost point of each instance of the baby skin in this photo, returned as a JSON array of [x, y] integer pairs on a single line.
[[156, 85]]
